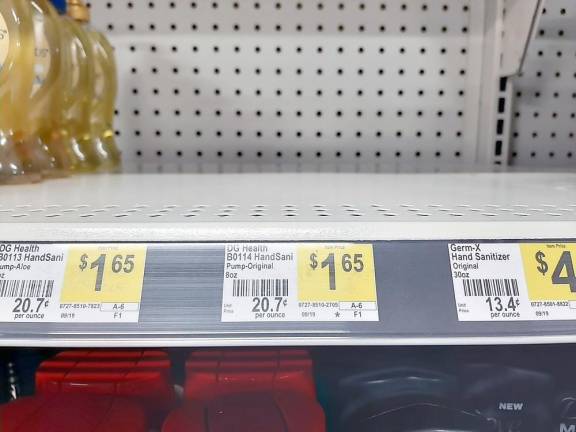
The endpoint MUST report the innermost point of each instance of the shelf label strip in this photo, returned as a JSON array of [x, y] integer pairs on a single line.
[[391, 287]]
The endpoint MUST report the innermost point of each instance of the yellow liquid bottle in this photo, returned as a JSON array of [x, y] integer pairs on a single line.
[[106, 89], [51, 126], [33, 150], [17, 46], [103, 93], [78, 95], [89, 136]]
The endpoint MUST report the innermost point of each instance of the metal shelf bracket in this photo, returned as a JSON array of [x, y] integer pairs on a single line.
[[520, 24]]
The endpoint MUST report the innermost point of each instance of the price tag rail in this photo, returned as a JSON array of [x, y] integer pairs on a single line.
[[194, 260]]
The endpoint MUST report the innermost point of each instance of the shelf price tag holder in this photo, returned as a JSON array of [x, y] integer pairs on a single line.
[[63, 283], [299, 282], [108, 276], [524, 281]]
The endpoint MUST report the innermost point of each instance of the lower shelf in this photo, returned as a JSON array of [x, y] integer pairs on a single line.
[[336, 389]]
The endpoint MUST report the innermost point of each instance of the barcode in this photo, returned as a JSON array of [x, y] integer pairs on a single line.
[[259, 287], [490, 287], [26, 288]]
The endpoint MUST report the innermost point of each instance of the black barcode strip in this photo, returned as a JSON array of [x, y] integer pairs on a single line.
[[26, 288], [259, 287], [490, 287]]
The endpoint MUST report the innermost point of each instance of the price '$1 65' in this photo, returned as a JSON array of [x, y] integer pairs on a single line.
[[119, 264], [110, 274], [347, 263], [338, 273]]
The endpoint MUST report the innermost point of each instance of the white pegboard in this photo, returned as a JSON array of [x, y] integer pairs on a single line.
[[292, 82], [544, 114]]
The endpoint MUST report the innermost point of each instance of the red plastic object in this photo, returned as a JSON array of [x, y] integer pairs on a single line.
[[140, 374], [248, 391], [211, 373], [73, 413], [249, 412]]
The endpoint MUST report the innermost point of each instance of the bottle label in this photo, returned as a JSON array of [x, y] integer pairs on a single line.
[[41, 52], [4, 41]]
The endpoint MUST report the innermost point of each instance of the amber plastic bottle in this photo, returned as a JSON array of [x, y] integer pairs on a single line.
[[32, 127], [104, 91], [52, 128], [16, 80], [78, 92]]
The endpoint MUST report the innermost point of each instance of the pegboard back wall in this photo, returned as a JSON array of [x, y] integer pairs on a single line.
[[286, 82], [544, 117]]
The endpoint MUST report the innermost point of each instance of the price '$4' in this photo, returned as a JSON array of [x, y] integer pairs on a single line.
[[563, 273]]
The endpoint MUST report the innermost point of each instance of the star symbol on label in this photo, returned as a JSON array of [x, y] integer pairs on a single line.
[[337, 314]]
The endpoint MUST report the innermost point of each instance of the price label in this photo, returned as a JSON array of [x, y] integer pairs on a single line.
[[299, 282], [550, 271], [64, 283], [514, 281], [104, 274], [336, 273]]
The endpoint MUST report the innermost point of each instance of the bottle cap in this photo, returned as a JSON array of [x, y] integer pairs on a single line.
[[60, 6], [77, 10]]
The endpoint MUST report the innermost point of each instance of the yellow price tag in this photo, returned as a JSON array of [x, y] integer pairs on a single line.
[[549, 270], [338, 272], [104, 274]]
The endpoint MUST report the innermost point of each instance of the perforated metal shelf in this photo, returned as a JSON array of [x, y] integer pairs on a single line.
[[288, 81], [544, 113], [219, 207]]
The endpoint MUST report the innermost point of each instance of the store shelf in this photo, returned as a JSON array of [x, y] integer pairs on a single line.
[[259, 207], [185, 219]]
